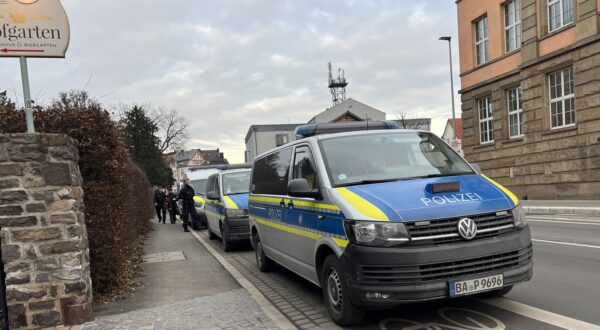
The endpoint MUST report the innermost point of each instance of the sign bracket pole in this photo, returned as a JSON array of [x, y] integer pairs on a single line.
[[27, 95]]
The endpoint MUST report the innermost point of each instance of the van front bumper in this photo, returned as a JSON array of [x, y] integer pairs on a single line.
[[237, 229], [410, 274]]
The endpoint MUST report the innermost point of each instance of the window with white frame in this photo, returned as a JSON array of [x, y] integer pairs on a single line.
[[560, 13], [515, 112], [562, 98], [486, 117], [281, 139], [481, 40], [512, 25]]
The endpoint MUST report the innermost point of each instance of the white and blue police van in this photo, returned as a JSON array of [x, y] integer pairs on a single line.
[[227, 207], [378, 217]]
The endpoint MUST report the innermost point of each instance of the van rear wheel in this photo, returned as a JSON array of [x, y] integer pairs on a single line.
[[262, 261], [225, 243], [336, 293]]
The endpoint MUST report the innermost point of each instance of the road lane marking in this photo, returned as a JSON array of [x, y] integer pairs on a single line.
[[569, 222], [272, 312], [540, 314], [566, 243]]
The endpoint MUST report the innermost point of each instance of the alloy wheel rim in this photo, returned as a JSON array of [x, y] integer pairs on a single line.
[[334, 290]]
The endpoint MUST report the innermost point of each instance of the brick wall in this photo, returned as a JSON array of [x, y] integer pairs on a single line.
[[43, 233]]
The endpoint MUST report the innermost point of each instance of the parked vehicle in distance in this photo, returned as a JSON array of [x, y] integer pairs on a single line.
[[227, 206], [198, 178], [385, 217]]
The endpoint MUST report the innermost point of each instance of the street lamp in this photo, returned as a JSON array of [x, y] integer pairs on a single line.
[[451, 84]]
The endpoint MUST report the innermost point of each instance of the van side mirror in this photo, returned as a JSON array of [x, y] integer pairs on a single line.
[[300, 188], [213, 195], [476, 168]]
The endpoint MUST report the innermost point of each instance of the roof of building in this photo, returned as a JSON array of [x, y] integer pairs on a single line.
[[459, 127], [270, 128], [343, 104]]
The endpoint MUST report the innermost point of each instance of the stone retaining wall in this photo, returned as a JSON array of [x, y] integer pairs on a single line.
[[43, 234]]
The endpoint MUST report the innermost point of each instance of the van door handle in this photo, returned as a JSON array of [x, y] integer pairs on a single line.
[[320, 217]]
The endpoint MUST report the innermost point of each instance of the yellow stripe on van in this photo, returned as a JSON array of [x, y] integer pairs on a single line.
[[229, 203], [199, 199], [277, 201], [362, 205], [506, 191], [296, 231]]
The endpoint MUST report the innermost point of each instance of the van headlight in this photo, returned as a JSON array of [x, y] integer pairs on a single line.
[[377, 233], [518, 214], [236, 213]]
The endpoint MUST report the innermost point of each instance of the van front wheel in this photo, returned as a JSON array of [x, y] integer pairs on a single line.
[[336, 293], [264, 263]]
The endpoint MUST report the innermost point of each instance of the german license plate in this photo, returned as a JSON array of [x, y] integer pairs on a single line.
[[466, 287]]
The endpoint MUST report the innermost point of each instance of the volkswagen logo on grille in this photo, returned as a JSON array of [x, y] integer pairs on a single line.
[[467, 228]]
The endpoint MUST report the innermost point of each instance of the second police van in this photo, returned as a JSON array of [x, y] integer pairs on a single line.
[[227, 206], [385, 217]]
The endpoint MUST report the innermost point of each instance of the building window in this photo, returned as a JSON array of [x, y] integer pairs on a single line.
[[486, 126], [481, 40], [562, 98], [515, 112], [281, 139], [512, 25], [560, 13]]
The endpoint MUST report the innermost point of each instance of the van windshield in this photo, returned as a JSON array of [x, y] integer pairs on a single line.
[[373, 158], [236, 183]]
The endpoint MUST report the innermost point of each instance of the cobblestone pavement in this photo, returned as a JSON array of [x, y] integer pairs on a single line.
[[227, 310]]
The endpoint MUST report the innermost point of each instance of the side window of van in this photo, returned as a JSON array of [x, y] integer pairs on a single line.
[[213, 184], [270, 175], [304, 167]]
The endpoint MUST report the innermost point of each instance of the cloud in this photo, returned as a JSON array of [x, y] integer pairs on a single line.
[[228, 64]]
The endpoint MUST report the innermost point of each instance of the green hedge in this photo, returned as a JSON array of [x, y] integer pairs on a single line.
[[118, 196]]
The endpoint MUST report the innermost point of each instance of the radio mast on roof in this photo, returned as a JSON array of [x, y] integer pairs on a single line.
[[337, 86]]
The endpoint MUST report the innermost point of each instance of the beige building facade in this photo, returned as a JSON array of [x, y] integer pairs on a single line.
[[530, 75]]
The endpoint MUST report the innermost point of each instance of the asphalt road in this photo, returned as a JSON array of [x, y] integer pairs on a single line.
[[564, 292]]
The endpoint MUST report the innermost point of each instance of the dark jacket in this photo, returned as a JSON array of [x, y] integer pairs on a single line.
[[159, 198], [172, 198], [186, 194]]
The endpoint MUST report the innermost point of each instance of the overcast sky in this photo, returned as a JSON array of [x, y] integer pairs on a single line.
[[228, 64]]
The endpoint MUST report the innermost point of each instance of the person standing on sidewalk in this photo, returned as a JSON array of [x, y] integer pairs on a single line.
[[186, 194], [159, 205], [172, 201]]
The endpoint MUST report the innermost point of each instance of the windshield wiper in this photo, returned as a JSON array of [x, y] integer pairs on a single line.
[[439, 175], [368, 182]]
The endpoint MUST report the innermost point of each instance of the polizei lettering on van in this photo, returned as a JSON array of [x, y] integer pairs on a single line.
[[451, 199]]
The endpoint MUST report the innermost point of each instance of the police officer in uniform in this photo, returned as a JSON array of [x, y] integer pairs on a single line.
[[159, 205], [186, 194], [172, 202]]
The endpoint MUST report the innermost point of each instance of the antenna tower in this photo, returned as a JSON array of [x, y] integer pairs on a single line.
[[337, 86]]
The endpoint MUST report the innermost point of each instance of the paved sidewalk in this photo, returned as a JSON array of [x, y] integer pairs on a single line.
[[185, 287], [583, 207]]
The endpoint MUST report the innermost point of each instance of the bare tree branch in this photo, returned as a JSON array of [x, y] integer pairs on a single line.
[[172, 129], [405, 122]]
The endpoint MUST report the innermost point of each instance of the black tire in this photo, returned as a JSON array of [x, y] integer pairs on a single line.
[[225, 243], [211, 235], [497, 293], [336, 294], [195, 225], [264, 263]]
